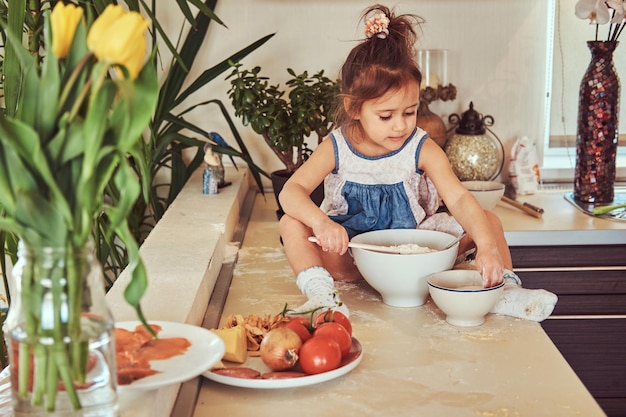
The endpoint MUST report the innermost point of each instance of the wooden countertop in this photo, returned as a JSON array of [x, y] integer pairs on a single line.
[[414, 362], [561, 223]]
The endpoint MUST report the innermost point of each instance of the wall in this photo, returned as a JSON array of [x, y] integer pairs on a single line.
[[496, 55]]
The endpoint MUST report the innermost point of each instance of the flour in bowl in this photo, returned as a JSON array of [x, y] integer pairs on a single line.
[[412, 248]]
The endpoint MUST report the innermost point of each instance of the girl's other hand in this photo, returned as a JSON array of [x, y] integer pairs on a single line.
[[489, 264]]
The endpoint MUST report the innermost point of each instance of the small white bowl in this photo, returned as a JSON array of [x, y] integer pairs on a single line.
[[460, 295], [488, 193], [401, 278]]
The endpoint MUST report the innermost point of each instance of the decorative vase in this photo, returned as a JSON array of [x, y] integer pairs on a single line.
[[432, 124], [597, 129], [60, 335]]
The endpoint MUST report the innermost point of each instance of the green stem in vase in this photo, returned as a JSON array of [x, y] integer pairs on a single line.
[[28, 295], [79, 347], [65, 371], [41, 372], [53, 309], [24, 368], [45, 285], [51, 383], [66, 310]]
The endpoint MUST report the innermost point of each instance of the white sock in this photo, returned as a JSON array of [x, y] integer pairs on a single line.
[[536, 305], [319, 287]]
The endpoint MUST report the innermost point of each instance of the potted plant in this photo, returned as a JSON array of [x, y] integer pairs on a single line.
[[285, 117]]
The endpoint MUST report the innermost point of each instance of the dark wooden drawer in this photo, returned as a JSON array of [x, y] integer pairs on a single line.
[[590, 282], [596, 350], [581, 291], [568, 256]]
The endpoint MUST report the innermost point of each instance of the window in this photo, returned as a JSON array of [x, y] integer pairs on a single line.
[[570, 58]]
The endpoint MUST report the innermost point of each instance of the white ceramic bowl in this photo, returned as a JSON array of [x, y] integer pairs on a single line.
[[461, 296], [401, 279], [488, 193]]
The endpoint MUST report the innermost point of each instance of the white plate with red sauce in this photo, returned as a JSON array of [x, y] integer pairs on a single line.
[[347, 364], [205, 351]]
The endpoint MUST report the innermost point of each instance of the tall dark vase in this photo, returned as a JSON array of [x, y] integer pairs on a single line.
[[597, 131]]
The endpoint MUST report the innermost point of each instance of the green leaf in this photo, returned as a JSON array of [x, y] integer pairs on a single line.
[[134, 112], [186, 10], [29, 96], [10, 225], [7, 195], [132, 5], [39, 215], [126, 182], [68, 143], [77, 56], [12, 66], [164, 38], [21, 139], [218, 69], [140, 156], [48, 93], [138, 284], [25, 142], [207, 9], [179, 68], [94, 129]]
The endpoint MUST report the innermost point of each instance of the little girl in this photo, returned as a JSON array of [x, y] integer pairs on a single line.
[[380, 171]]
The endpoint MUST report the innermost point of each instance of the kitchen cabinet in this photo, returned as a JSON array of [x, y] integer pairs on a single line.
[[588, 325], [589, 322]]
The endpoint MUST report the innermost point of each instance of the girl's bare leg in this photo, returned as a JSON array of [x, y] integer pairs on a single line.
[[315, 270]]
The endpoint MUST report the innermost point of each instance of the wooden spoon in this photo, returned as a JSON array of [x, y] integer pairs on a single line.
[[375, 248], [388, 249]]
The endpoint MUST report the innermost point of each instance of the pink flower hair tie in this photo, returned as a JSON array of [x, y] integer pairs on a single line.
[[377, 25]]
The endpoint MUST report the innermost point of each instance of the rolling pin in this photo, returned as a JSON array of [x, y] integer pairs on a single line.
[[525, 207]]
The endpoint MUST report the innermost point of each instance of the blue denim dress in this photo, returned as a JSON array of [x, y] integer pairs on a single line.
[[367, 193]]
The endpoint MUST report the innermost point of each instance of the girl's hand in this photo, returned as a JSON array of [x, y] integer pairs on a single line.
[[332, 237], [489, 264]]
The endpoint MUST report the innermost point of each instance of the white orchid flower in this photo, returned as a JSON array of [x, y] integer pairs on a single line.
[[620, 10], [595, 10]]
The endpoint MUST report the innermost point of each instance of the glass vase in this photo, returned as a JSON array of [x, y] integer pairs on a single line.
[[597, 128], [60, 335]]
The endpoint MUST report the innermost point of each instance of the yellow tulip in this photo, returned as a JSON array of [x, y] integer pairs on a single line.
[[119, 37], [64, 20]]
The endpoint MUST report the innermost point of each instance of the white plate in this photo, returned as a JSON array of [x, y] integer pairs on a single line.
[[205, 351], [354, 358]]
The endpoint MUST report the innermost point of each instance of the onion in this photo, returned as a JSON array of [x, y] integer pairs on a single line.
[[279, 348]]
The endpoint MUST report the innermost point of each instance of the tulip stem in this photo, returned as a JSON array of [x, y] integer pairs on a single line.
[[71, 81]]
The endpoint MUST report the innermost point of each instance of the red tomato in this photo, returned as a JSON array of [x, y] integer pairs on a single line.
[[337, 316], [301, 326], [319, 354], [337, 332]]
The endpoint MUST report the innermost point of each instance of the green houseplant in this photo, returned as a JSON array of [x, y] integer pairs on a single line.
[[172, 146], [285, 117]]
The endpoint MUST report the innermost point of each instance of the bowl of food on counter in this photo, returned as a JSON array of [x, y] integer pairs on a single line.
[[400, 278], [460, 295], [488, 193]]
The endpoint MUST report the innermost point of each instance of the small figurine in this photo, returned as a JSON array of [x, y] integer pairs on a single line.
[[211, 175]]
